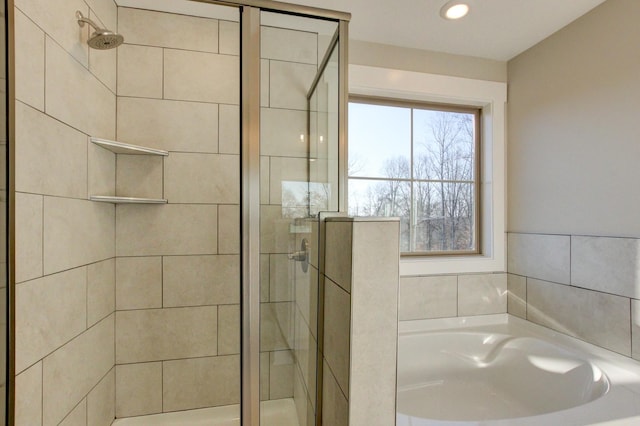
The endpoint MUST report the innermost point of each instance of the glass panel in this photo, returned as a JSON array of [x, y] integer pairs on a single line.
[[379, 141], [299, 172]]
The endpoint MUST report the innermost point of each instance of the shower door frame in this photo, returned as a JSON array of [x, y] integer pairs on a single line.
[[250, 11]]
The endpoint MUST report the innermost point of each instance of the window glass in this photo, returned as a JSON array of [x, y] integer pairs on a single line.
[[418, 163]]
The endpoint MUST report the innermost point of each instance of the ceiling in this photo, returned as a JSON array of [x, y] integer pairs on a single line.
[[494, 29]]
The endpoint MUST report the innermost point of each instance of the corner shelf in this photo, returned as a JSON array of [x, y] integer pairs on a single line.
[[126, 200], [128, 149]]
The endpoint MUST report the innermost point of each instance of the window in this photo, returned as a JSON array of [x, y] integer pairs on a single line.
[[419, 162]]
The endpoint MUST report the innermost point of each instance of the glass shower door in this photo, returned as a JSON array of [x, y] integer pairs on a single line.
[[294, 182]]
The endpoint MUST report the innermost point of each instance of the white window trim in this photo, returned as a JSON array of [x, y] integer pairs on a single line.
[[491, 96]]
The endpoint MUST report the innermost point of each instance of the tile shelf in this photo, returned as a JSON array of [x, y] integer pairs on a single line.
[[129, 149]]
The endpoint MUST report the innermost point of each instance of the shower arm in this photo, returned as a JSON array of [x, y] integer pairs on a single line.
[[82, 20]]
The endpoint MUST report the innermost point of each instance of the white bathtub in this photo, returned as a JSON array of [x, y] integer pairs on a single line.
[[501, 370]]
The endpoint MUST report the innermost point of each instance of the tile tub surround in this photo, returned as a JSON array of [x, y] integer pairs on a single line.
[[596, 292], [65, 299], [442, 296], [363, 317]]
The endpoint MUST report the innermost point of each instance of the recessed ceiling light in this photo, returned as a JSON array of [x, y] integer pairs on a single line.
[[454, 10]]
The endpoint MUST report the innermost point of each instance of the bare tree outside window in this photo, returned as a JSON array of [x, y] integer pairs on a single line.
[[431, 187]]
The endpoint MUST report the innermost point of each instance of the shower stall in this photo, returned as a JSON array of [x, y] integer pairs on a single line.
[[165, 180]]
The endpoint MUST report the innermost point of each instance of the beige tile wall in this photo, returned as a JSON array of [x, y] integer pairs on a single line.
[[65, 268], [178, 265]]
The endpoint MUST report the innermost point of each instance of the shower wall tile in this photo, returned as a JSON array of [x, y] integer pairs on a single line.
[[264, 278], [138, 389], [335, 408], [51, 157], [264, 376], [229, 40], [202, 178], [94, 112], [336, 347], [101, 290], [168, 30], [139, 176], [275, 230], [107, 12], [57, 19], [546, 257], [599, 318], [41, 324], [28, 394], [140, 71], [201, 280], [276, 325], [289, 84], [228, 329], [168, 125], [280, 132], [305, 350], [166, 230], [280, 271], [610, 265], [101, 401], [281, 366], [264, 83], [229, 229], [201, 382], [482, 294], [159, 334], [338, 253], [29, 62], [29, 213], [265, 172], [635, 329], [428, 297], [286, 175], [102, 170], [289, 45], [300, 399], [215, 79], [73, 370], [306, 296], [83, 228], [138, 283], [229, 129], [517, 295], [77, 417]]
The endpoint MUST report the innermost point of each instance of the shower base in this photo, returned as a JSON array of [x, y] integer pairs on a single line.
[[279, 412]]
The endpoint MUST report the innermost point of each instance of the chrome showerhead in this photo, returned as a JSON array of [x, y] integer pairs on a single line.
[[101, 38]]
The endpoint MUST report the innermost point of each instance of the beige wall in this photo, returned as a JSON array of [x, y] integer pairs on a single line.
[[387, 56], [573, 124], [65, 245]]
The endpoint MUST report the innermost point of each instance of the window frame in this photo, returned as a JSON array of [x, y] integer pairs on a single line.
[[491, 96], [474, 110]]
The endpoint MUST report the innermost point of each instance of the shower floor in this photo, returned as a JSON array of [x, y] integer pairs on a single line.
[[280, 412]]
